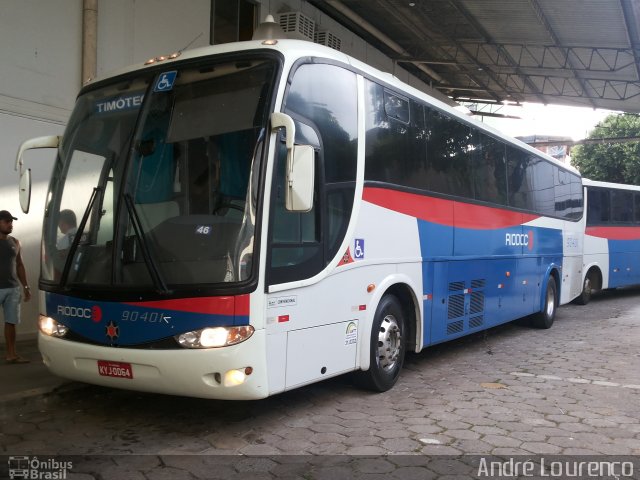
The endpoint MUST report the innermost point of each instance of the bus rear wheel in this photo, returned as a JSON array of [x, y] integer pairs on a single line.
[[545, 318], [387, 346], [587, 289]]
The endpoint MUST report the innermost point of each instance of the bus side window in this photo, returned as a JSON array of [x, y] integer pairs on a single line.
[[322, 100], [448, 151], [520, 195], [621, 206], [598, 206], [489, 170], [295, 236], [562, 185], [577, 200], [388, 138]]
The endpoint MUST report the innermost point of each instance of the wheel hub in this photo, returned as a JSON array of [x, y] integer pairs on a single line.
[[389, 343]]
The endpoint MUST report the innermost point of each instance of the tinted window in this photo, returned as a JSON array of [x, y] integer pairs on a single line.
[[323, 101], [636, 209], [539, 178], [489, 170], [416, 170], [562, 186], [449, 144], [598, 208], [295, 237], [577, 197], [327, 96], [621, 206], [389, 143], [396, 107], [412, 145], [520, 195]]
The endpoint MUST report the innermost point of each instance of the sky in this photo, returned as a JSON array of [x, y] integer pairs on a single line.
[[556, 120]]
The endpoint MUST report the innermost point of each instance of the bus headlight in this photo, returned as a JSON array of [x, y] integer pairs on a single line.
[[215, 337], [50, 327]]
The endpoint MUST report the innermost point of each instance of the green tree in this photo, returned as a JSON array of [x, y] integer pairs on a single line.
[[611, 162]]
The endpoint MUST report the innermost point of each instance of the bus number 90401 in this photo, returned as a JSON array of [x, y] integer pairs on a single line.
[[149, 317]]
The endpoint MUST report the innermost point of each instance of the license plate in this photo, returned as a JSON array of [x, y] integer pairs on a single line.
[[115, 369]]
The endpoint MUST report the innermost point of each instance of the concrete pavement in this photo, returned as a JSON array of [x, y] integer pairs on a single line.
[[571, 393], [20, 381]]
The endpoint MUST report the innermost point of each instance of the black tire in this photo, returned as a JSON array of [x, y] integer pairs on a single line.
[[545, 318], [587, 290], [387, 346]]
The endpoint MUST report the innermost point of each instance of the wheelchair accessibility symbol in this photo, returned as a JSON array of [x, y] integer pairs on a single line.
[[165, 81], [358, 249]]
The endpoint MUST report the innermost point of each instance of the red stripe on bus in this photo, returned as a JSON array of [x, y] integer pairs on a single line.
[[614, 233], [445, 212], [232, 305]]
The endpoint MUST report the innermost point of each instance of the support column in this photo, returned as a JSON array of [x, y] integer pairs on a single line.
[[89, 39]]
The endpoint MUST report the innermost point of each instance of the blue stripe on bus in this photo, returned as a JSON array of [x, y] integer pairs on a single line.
[[624, 262], [133, 324], [476, 279]]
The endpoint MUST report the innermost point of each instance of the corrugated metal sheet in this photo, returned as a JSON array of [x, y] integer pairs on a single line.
[[587, 22], [584, 52]]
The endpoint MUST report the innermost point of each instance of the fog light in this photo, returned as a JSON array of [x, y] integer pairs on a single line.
[[236, 377], [51, 328]]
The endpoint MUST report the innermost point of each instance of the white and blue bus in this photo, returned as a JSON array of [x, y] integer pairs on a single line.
[[258, 216], [611, 237]]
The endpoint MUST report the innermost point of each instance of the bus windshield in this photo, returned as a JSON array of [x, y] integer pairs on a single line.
[[155, 180]]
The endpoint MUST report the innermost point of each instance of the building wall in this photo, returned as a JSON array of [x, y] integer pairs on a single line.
[[40, 78], [41, 69]]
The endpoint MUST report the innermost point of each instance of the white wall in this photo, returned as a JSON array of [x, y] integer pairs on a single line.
[[39, 78], [40, 73], [132, 31]]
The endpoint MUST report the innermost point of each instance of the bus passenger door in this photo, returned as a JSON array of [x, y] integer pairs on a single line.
[[311, 321]]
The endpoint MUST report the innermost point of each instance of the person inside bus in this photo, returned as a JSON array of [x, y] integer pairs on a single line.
[[68, 227], [487, 183], [231, 168]]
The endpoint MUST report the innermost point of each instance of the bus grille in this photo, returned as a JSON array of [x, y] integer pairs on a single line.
[[475, 322], [465, 307], [455, 327], [456, 306], [477, 302]]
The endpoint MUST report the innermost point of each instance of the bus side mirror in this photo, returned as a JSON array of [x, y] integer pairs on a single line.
[[24, 190], [24, 185], [300, 178], [300, 167]]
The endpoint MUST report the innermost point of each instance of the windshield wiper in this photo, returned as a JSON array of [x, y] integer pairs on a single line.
[[152, 265], [78, 236]]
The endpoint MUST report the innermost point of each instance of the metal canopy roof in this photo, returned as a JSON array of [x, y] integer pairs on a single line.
[[570, 52]]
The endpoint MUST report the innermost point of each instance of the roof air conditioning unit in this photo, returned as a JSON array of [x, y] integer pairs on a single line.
[[297, 25], [328, 39]]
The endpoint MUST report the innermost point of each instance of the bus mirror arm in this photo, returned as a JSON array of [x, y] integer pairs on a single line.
[[50, 141], [300, 166], [24, 186], [279, 120]]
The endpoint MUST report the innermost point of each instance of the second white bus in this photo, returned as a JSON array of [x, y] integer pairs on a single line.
[[611, 237]]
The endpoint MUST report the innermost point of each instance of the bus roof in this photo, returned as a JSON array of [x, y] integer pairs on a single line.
[[618, 186], [296, 49]]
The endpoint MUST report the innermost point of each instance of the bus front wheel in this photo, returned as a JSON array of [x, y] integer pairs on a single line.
[[387, 346], [545, 318]]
